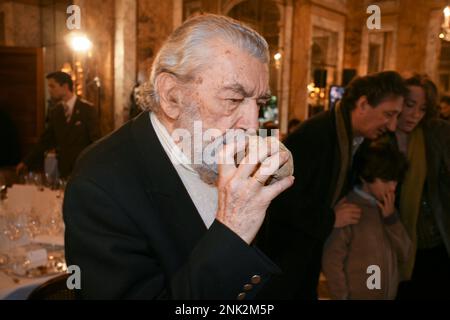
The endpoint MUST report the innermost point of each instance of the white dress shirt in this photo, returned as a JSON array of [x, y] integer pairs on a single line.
[[71, 104], [204, 196]]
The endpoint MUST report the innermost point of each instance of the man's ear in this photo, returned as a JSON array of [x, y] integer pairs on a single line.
[[168, 89], [362, 104]]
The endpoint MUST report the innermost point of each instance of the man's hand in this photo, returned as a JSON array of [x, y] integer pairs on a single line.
[[346, 213], [387, 207], [243, 195], [20, 168]]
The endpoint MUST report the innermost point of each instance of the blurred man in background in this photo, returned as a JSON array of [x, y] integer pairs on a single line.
[[72, 126]]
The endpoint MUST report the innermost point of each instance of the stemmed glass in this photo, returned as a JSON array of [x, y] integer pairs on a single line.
[[33, 224], [12, 230], [4, 242]]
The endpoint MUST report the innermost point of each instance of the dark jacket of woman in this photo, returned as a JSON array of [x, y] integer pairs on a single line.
[[437, 185]]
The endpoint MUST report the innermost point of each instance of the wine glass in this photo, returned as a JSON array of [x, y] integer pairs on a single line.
[[33, 224], [4, 241], [60, 186]]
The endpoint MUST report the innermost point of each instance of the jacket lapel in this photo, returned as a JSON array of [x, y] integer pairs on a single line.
[[164, 186], [344, 138]]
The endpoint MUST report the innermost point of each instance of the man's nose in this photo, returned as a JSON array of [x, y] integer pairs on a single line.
[[249, 116], [392, 124]]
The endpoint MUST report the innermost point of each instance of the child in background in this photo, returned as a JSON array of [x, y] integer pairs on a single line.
[[352, 254]]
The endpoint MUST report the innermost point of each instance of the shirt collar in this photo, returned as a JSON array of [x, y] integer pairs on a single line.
[[71, 102], [367, 196], [176, 155], [357, 142]]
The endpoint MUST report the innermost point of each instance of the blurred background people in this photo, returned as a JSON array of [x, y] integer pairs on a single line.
[[73, 125]]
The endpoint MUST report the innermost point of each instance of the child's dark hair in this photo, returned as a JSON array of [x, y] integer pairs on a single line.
[[380, 160]]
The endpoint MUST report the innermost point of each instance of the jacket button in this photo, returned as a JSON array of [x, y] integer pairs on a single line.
[[241, 296], [248, 287], [256, 279]]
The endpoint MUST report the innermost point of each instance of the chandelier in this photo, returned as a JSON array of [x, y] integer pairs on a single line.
[[445, 28]]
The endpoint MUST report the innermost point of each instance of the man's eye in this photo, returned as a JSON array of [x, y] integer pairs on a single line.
[[235, 100], [262, 104], [389, 115], [409, 103]]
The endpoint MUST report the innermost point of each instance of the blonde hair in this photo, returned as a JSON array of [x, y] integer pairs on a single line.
[[185, 52]]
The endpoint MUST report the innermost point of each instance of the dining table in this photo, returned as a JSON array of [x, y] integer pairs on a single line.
[[31, 240]]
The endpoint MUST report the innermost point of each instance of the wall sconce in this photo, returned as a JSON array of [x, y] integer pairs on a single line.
[[79, 42], [81, 47], [277, 57], [445, 28]]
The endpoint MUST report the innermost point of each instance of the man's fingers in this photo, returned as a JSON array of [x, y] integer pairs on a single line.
[[227, 165], [259, 151], [272, 191], [269, 166]]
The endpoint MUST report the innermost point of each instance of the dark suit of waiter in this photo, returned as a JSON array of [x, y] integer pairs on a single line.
[[69, 136], [135, 233]]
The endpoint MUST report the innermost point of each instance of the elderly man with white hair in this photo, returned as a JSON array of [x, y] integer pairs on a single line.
[[146, 221]]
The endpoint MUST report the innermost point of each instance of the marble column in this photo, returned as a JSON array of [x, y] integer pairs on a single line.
[[155, 23], [300, 61], [22, 23], [124, 58], [356, 19], [412, 35], [97, 22]]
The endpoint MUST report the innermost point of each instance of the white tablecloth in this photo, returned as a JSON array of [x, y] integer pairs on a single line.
[[18, 288], [44, 203]]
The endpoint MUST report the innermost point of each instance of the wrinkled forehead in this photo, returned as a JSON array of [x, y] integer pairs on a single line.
[[230, 67]]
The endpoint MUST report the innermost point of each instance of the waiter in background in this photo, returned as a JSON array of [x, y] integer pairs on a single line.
[[72, 126]]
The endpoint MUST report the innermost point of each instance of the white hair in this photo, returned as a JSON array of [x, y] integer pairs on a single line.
[[185, 51]]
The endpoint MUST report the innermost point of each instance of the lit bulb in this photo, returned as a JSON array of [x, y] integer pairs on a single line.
[[277, 56], [441, 35], [447, 11], [80, 43]]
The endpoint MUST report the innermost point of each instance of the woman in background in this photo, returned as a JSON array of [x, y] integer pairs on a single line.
[[424, 196]]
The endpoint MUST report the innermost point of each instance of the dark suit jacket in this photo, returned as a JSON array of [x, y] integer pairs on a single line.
[[300, 219], [69, 139], [437, 140], [136, 234]]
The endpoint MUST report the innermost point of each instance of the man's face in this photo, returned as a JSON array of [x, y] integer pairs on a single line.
[[56, 91], [227, 94], [445, 109], [230, 91], [373, 121], [380, 188]]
